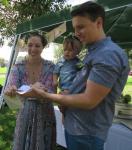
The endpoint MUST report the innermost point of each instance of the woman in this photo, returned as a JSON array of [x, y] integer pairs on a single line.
[[35, 125]]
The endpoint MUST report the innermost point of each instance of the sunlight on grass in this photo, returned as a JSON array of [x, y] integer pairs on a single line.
[[3, 69], [2, 75], [1, 129], [128, 86], [2, 80]]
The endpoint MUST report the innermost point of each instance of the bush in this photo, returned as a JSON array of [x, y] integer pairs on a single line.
[[126, 99]]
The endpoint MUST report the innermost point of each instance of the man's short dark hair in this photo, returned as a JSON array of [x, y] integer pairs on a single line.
[[90, 9]]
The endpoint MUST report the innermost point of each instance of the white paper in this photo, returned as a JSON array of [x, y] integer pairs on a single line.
[[23, 89], [15, 102]]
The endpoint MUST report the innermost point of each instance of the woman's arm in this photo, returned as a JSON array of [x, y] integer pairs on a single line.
[[13, 82]]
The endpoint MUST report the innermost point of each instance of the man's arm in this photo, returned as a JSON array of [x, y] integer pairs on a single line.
[[92, 96]]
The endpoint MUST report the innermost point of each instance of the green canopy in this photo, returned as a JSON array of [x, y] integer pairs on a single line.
[[118, 24]]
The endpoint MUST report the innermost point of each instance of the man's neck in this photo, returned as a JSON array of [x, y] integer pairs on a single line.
[[100, 36]]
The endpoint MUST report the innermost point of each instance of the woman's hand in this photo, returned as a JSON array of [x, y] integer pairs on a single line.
[[11, 91], [37, 91], [30, 94]]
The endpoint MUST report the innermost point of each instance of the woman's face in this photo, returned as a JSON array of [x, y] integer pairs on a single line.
[[35, 47]]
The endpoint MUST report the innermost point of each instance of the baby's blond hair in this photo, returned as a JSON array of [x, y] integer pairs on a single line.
[[75, 43]]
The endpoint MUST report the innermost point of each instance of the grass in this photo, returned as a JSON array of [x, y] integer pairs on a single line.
[[129, 81], [2, 76], [2, 80], [128, 86], [3, 69]]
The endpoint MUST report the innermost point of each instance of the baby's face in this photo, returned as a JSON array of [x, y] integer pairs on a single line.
[[69, 53]]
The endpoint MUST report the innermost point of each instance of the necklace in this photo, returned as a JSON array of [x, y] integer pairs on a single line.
[[34, 71]]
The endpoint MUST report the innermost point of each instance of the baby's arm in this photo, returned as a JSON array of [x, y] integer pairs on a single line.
[[64, 92], [55, 82]]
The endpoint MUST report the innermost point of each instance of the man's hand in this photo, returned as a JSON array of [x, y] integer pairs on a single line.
[[37, 91], [29, 94], [38, 85]]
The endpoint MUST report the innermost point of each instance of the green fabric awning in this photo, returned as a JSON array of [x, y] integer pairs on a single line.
[[118, 24]]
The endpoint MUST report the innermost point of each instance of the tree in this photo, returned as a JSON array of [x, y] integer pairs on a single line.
[[129, 54], [58, 52], [13, 12]]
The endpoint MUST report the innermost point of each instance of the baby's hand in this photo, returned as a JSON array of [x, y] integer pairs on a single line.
[[64, 92]]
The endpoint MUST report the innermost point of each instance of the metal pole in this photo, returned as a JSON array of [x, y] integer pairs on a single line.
[[11, 61]]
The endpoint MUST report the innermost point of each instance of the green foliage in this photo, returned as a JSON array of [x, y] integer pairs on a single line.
[[40, 7], [58, 53], [14, 12], [4, 2], [2, 80], [3, 69], [128, 86], [2, 75], [127, 99], [82, 53], [2, 62], [7, 124], [129, 80]]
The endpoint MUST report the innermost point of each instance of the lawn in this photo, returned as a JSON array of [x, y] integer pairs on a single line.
[[3, 69], [128, 86], [2, 75], [2, 80]]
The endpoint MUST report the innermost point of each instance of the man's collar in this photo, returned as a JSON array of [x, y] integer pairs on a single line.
[[98, 44]]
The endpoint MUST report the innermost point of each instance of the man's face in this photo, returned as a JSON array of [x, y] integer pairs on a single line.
[[85, 29]]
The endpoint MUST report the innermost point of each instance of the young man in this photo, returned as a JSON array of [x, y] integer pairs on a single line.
[[96, 88]]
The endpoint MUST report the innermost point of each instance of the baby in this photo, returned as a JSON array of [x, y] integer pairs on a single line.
[[67, 67]]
